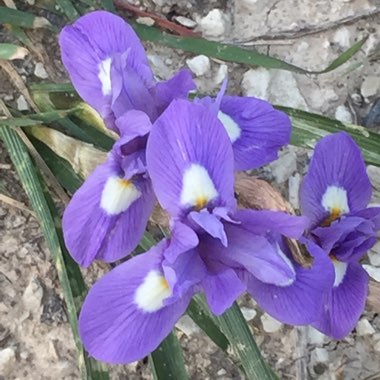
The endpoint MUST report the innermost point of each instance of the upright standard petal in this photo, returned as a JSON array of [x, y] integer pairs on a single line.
[[300, 302], [177, 87], [107, 216], [88, 48], [343, 305], [130, 310], [257, 131], [337, 182], [190, 159]]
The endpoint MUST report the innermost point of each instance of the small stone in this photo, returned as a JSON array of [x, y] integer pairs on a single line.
[[32, 296], [22, 104], [213, 25], [377, 346], [342, 38], [221, 74], [160, 3], [372, 271], [189, 23], [145, 21], [187, 326], [370, 86], [270, 325], [284, 166], [374, 255], [315, 336], [221, 372], [320, 355], [364, 327], [248, 313], [343, 114], [7, 360], [256, 83], [39, 71], [294, 189], [199, 65]]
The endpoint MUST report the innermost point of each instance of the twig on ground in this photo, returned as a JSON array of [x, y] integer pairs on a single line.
[[159, 21], [16, 204]]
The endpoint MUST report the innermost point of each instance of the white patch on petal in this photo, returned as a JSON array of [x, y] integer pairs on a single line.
[[197, 187], [118, 194], [152, 293], [105, 75], [289, 264], [340, 271], [232, 128], [334, 200]]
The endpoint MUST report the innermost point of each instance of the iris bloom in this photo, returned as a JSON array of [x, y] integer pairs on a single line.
[[334, 195], [107, 64], [214, 248]]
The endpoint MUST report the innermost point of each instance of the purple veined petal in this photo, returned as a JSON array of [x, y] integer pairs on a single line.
[[190, 159], [347, 239], [127, 313], [187, 271], [337, 182], [107, 216], [260, 222], [370, 213], [88, 47], [133, 127], [210, 224], [299, 303], [257, 131], [250, 252], [183, 239], [222, 289], [129, 90], [344, 304], [176, 87]]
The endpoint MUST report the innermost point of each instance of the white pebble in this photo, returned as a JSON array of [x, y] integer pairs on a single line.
[[256, 83], [374, 255], [199, 65], [22, 104], [270, 325], [364, 327], [221, 74], [248, 313], [342, 37], [284, 166], [145, 21], [343, 114], [320, 355], [39, 71], [373, 272], [314, 336], [189, 23], [7, 360], [370, 86], [213, 25]]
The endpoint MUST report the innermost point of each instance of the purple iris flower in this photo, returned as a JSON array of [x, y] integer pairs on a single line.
[[107, 64], [256, 129], [109, 68], [334, 195], [214, 248]]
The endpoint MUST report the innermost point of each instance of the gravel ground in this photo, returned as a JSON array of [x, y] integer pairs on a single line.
[[35, 339]]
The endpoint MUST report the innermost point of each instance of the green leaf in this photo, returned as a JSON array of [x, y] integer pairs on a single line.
[[23, 19], [52, 87], [68, 9], [69, 274], [308, 128], [345, 56], [167, 360], [200, 314], [11, 51], [232, 53]]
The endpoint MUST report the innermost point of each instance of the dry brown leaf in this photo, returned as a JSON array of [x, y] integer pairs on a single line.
[[373, 300], [83, 157], [257, 194]]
